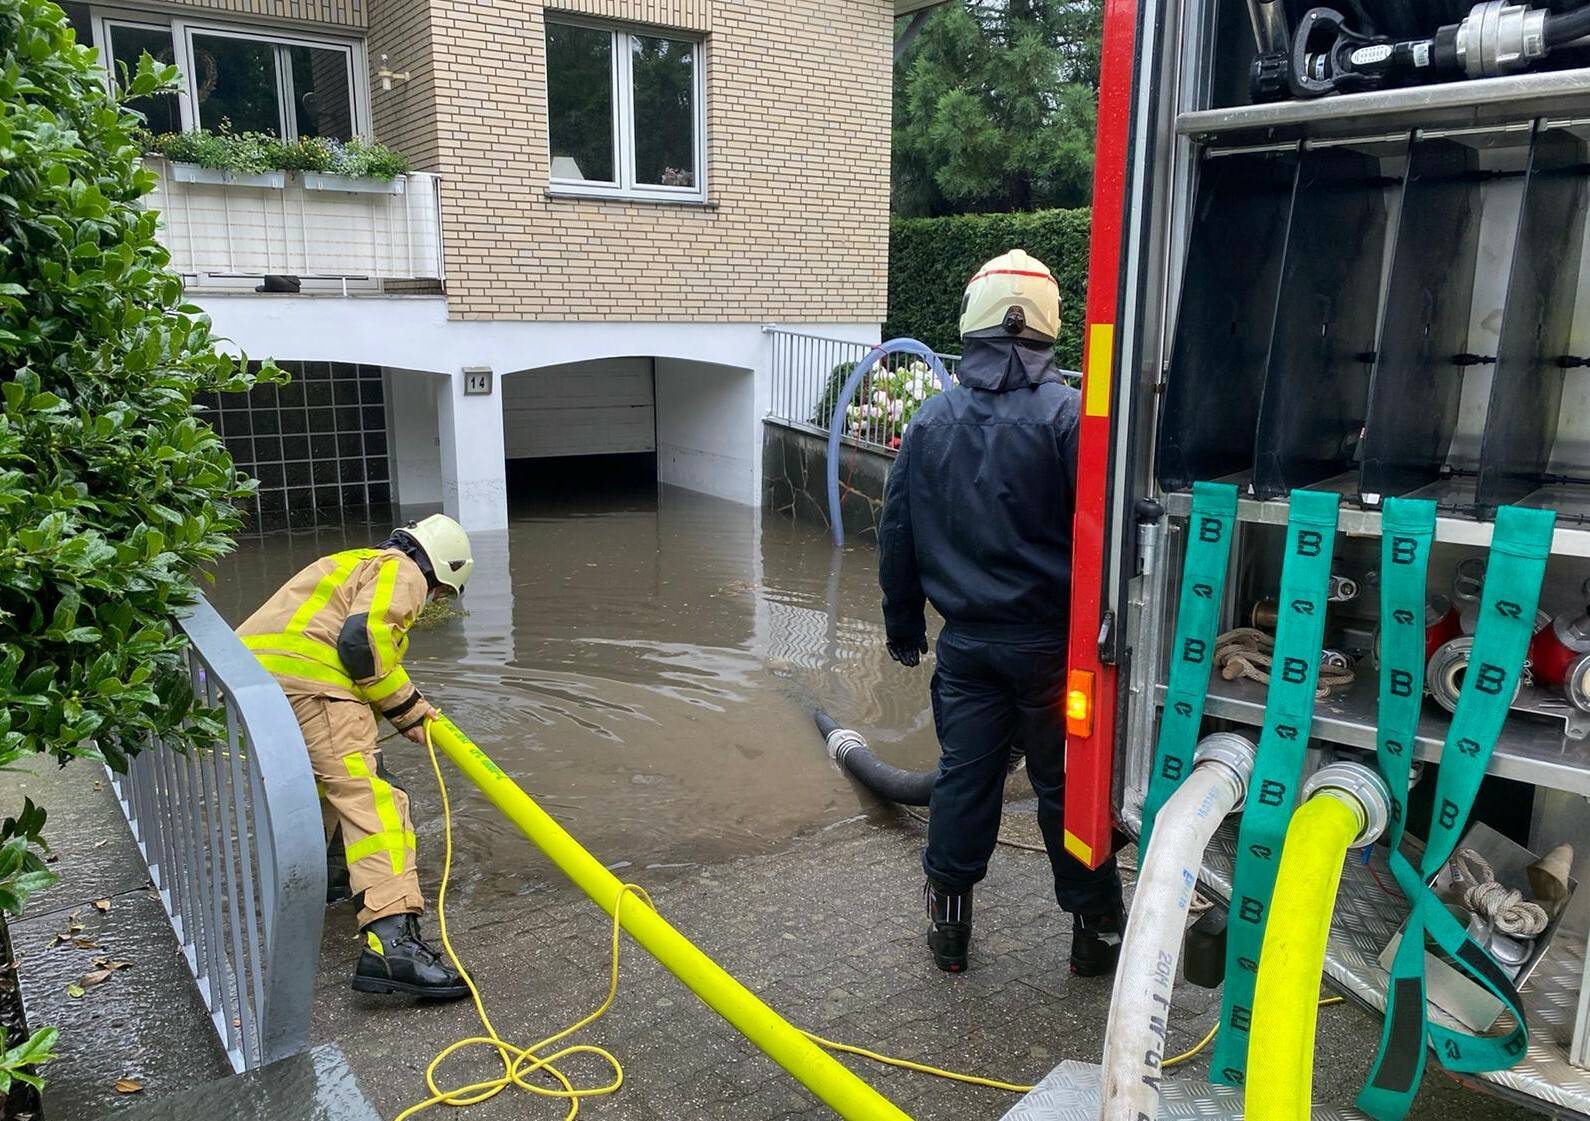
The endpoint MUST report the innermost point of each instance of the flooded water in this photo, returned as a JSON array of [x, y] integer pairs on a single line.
[[645, 662]]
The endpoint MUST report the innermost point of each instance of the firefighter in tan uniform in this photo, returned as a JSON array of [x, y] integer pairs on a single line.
[[334, 637]]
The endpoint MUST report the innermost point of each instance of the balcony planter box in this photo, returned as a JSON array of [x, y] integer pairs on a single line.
[[193, 173], [322, 181]]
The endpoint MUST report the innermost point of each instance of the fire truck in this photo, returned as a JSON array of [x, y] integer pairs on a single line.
[[1341, 252]]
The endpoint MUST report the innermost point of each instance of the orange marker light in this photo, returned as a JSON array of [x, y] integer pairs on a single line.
[[1079, 703]]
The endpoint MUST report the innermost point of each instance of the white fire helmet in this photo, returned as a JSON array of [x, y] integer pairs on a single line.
[[446, 546], [1013, 294]]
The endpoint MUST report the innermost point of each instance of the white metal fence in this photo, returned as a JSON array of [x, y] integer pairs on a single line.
[[232, 837], [808, 372]]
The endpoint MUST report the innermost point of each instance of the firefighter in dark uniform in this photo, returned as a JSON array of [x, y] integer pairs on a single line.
[[977, 520]]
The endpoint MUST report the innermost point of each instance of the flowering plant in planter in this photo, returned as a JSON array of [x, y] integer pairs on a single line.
[[888, 399], [255, 152]]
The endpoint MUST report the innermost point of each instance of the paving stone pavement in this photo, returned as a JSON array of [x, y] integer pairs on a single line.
[[829, 932]]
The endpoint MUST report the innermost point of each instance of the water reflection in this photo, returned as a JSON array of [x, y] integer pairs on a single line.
[[647, 663]]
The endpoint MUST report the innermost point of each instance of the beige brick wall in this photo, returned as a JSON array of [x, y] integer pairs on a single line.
[[405, 116], [798, 95], [340, 13]]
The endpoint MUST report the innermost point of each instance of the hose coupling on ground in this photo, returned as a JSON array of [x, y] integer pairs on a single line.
[[841, 742], [1231, 751], [1362, 789]]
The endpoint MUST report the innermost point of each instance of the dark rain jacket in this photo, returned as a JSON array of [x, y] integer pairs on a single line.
[[978, 505]]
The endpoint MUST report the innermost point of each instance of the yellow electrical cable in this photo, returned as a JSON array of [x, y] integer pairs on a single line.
[[1284, 1021], [514, 1058], [521, 1062]]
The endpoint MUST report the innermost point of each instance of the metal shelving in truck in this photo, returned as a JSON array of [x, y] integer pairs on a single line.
[[1333, 257]]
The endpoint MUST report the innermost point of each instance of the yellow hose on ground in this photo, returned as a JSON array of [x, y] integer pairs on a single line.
[[796, 1050], [1280, 1084]]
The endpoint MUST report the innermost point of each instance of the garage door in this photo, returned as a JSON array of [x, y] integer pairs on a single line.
[[590, 408]]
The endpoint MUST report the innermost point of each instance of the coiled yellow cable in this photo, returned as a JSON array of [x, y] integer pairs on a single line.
[[521, 1063], [1280, 1088]]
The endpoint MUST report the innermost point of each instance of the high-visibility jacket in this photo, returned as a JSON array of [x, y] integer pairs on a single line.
[[339, 628]]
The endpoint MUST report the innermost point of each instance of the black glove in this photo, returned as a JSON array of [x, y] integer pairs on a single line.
[[908, 651]]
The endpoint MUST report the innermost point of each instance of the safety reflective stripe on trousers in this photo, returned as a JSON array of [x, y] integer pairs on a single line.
[[1272, 791], [380, 842], [395, 839], [1514, 571], [1203, 583]]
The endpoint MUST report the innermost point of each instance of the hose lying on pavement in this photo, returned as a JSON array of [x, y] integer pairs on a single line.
[[891, 783]]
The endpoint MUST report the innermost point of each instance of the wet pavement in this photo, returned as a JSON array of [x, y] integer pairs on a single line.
[[645, 664]]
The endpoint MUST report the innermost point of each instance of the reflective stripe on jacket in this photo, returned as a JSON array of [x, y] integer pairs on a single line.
[[339, 628]]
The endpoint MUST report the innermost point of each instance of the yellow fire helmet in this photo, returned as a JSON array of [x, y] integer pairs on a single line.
[[1013, 294], [446, 546]]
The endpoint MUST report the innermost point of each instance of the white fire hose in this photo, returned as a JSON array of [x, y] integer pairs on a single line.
[[1134, 1041]]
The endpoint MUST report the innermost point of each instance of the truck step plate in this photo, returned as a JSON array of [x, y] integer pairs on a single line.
[[1370, 909], [1070, 1092]]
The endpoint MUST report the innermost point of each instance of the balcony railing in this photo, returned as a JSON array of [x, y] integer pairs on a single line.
[[314, 227]]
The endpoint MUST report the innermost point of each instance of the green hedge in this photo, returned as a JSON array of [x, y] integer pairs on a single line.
[[931, 259]]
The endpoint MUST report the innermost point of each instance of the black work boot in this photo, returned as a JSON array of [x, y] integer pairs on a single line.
[[1096, 943], [339, 885], [951, 914], [396, 960]]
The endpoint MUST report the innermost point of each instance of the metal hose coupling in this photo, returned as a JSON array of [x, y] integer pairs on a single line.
[[1235, 753], [1362, 788], [841, 742]]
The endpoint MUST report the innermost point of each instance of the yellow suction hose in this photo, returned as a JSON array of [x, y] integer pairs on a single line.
[[1280, 1080], [842, 1091]]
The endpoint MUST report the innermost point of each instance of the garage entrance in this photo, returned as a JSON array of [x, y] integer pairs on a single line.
[[601, 408]]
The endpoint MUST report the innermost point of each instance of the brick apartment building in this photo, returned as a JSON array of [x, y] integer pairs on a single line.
[[613, 199]]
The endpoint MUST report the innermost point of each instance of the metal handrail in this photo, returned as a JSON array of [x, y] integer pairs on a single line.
[[233, 840], [807, 373]]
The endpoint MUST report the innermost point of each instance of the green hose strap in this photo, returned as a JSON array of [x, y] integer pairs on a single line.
[[1407, 528], [1517, 565], [1203, 585], [1272, 791]]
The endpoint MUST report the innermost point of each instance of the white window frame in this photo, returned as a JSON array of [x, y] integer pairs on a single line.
[[182, 31], [623, 121]]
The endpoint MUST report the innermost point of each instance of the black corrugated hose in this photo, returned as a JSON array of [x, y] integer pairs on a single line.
[[891, 783]]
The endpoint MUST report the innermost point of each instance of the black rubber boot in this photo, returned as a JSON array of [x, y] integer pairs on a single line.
[[396, 960], [338, 884], [951, 936], [1096, 943]]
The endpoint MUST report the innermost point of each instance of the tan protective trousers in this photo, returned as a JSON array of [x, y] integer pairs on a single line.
[[376, 829]]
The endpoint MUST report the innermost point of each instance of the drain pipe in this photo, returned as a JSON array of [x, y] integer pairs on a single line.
[[1348, 806], [1134, 1041], [891, 783]]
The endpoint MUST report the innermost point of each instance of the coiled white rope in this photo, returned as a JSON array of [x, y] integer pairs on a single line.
[[1505, 907]]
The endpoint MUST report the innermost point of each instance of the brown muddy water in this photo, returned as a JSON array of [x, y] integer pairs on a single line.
[[645, 663]]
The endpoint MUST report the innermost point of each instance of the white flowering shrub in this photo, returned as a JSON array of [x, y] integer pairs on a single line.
[[887, 401]]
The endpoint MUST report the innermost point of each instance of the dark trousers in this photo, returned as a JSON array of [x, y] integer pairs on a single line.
[[987, 697]]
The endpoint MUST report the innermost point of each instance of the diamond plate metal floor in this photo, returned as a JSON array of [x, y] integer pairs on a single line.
[[1070, 1092], [1370, 909]]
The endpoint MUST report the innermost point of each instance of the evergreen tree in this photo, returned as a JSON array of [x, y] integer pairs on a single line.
[[994, 108]]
